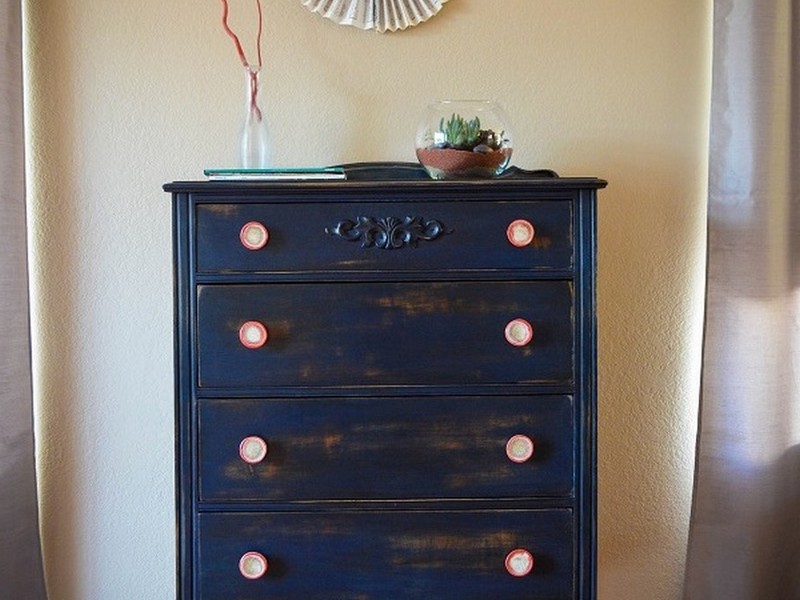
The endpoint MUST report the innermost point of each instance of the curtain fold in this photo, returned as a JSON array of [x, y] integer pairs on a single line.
[[744, 538], [21, 574]]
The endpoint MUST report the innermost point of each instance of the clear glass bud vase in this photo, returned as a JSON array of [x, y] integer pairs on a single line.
[[256, 144]]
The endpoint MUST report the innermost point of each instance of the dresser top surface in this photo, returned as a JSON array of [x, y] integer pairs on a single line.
[[408, 176]]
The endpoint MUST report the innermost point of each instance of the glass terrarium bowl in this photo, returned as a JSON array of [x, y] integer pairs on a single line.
[[463, 139]]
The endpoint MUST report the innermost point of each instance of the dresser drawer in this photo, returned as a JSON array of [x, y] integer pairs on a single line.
[[458, 555], [404, 448], [365, 334], [358, 236]]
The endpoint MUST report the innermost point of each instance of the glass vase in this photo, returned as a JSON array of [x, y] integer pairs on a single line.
[[256, 144], [464, 139]]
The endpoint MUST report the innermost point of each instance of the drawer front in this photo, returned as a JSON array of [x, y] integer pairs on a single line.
[[408, 448], [387, 555], [358, 236], [366, 334]]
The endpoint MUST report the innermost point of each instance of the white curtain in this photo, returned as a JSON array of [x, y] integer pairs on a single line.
[[745, 529], [21, 575]]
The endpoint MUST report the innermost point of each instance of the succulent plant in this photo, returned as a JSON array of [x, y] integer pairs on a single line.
[[460, 134]]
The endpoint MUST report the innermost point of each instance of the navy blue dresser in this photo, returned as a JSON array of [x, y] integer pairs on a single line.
[[386, 388]]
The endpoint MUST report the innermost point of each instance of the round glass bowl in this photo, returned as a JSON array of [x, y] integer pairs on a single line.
[[459, 139]]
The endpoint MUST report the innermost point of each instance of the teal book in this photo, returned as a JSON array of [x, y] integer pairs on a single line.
[[277, 174]]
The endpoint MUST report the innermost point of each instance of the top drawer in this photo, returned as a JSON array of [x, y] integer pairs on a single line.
[[397, 237]]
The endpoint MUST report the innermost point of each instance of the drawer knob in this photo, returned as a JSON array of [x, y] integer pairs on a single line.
[[254, 235], [519, 448], [253, 565], [253, 334], [253, 449], [519, 332], [519, 562], [520, 233]]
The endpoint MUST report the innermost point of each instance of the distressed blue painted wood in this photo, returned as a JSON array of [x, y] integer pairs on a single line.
[[384, 333], [330, 234], [357, 396], [376, 448], [398, 555]]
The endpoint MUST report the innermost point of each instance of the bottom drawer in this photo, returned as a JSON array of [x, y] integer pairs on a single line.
[[388, 555]]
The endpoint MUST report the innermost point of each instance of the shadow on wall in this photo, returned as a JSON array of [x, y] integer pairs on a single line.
[[778, 568], [650, 272], [54, 232]]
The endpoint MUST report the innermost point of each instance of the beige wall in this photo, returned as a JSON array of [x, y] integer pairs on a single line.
[[125, 96]]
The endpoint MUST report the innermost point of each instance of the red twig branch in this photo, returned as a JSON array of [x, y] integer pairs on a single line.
[[235, 38], [229, 31], [254, 94], [260, 27], [253, 74]]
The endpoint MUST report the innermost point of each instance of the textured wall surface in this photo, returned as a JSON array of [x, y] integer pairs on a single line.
[[124, 96]]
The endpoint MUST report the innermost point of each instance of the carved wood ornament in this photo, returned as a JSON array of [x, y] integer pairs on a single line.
[[388, 233]]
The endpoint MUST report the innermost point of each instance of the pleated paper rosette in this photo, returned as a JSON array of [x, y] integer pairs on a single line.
[[380, 15]]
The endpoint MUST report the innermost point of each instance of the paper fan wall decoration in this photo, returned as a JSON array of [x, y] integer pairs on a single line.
[[380, 15]]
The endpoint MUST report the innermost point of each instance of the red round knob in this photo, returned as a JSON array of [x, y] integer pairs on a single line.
[[519, 562], [519, 332], [254, 235], [253, 565], [520, 233], [253, 334], [253, 449], [519, 448]]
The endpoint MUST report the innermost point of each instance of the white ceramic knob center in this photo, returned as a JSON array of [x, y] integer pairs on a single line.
[[253, 334], [253, 449], [519, 562], [253, 565], [519, 332], [519, 448], [254, 235], [520, 233]]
